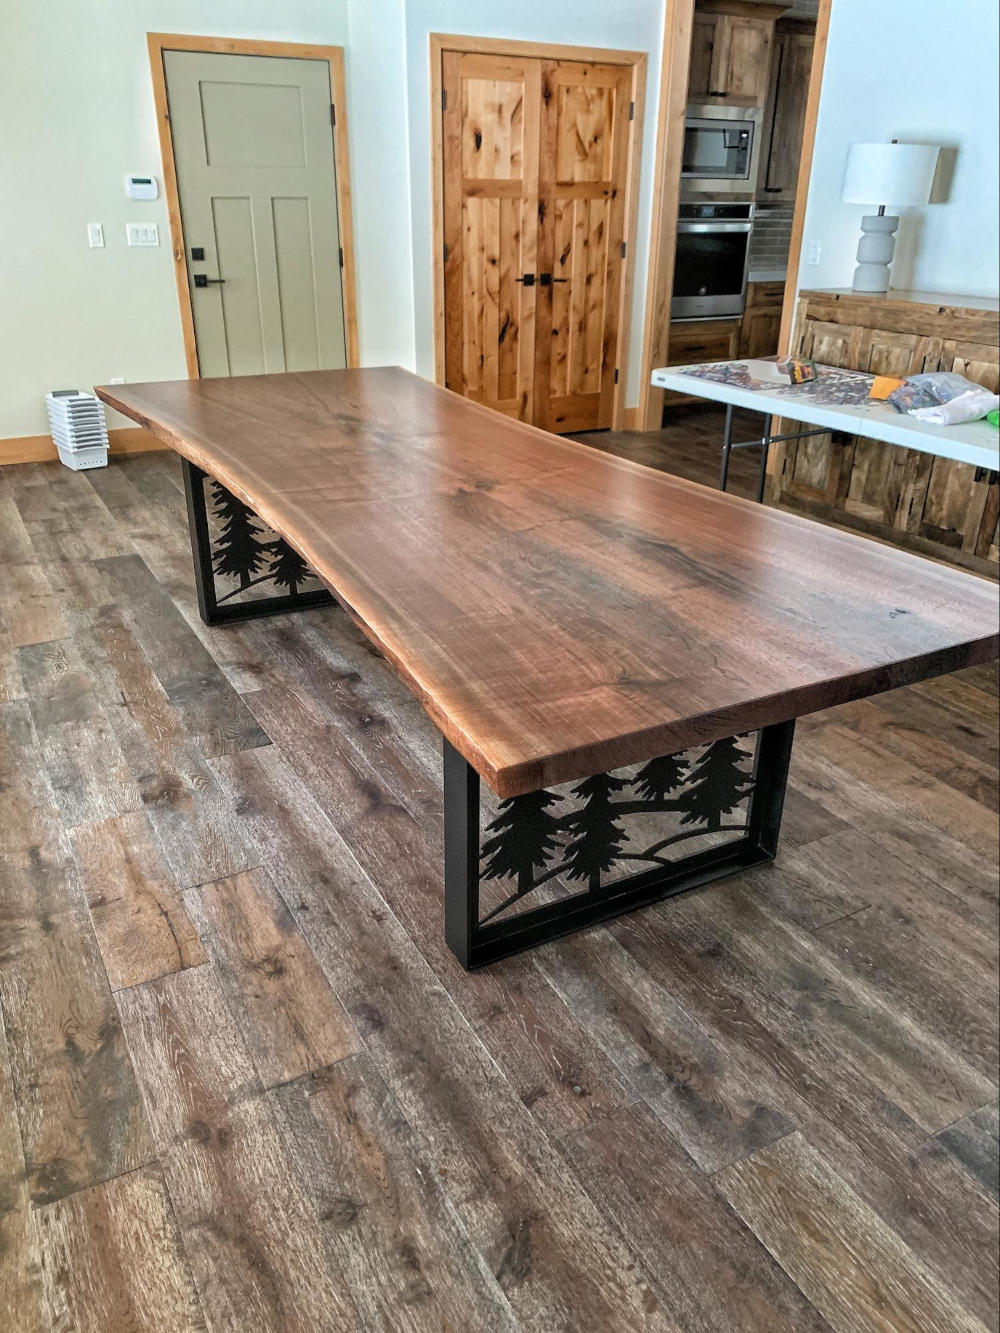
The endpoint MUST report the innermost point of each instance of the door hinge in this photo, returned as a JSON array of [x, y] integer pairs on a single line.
[[444, 99], [623, 249], [616, 374], [340, 251], [631, 111], [333, 114]]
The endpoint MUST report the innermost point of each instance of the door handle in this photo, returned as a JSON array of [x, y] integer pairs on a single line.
[[203, 280], [772, 189], [546, 279], [528, 279]]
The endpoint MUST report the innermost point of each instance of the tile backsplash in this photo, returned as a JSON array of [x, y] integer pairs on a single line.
[[771, 236]]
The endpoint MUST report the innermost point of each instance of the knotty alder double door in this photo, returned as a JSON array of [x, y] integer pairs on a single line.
[[535, 158]]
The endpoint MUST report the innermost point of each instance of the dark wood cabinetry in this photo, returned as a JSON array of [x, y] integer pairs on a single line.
[[785, 117], [931, 504], [762, 319]]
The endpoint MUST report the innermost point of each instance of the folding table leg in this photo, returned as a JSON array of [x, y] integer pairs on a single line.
[[727, 447], [765, 449]]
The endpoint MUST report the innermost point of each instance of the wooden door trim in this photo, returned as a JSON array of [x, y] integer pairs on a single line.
[[439, 43], [677, 28], [805, 170], [159, 42]]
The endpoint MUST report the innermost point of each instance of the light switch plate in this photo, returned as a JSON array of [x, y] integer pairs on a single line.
[[95, 235], [813, 253], [142, 233]]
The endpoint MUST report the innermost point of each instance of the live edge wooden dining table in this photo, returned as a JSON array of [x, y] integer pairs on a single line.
[[618, 654]]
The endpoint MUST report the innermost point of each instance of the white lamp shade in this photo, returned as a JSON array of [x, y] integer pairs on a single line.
[[889, 173]]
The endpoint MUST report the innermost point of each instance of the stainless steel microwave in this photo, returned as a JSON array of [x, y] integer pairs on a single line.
[[721, 145]]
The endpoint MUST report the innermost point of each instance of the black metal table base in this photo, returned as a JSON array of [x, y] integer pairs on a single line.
[[552, 838], [243, 555]]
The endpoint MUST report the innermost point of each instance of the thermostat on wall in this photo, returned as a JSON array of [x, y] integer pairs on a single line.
[[141, 187]]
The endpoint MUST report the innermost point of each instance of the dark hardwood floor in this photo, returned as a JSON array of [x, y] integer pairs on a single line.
[[245, 1086]]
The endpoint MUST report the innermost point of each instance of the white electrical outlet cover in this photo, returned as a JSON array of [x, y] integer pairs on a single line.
[[814, 252], [95, 235]]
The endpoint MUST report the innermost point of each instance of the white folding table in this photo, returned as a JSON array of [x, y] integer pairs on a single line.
[[975, 442]]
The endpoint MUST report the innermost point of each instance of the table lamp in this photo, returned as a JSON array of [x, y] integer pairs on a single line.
[[898, 173]]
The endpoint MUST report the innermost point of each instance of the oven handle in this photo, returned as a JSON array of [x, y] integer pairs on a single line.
[[715, 226]]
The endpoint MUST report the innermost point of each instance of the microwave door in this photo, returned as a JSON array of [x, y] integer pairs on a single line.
[[705, 152]]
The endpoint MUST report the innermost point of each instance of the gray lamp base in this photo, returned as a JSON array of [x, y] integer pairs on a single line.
[[875, 249]]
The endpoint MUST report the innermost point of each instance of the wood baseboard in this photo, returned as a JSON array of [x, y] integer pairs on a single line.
[[40, 449], [630, 420]]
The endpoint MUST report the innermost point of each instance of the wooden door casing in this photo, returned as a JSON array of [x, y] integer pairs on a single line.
[[490, 128], [535, 161], [583, 163]]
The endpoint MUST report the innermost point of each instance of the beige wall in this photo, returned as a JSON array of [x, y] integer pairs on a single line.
[[76, 114]]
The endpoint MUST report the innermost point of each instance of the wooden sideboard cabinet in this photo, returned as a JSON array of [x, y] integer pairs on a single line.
[[929, 504]]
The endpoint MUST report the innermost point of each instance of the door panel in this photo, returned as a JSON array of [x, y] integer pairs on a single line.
[[253, 149], [742, 58], [234, 318], [581, 209], [490, 129], [535, 158]]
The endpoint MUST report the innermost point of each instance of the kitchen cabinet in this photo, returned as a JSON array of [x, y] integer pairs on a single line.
[[762, 319], [693, 340], [785, 117], [731, 52], [934, 505]]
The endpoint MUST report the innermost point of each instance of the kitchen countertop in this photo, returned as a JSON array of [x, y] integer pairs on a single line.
[[910, 297], [767, 275]]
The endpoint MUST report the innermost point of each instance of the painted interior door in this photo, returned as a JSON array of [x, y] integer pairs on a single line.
[[535, 165], [581, 233], [490, 126], [253, 149]]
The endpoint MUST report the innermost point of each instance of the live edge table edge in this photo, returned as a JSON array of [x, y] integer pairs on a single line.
[[728, 798]]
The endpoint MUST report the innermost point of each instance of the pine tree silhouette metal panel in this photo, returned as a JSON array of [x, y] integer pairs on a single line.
[[236, 553], [594, 833]]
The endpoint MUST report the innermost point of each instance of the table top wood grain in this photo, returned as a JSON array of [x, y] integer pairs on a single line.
[[558, 611]]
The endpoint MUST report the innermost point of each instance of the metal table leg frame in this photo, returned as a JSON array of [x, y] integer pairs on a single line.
[[722, 799], [243, 553]]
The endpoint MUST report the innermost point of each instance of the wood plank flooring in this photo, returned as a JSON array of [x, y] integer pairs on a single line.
[[244, 1085]]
